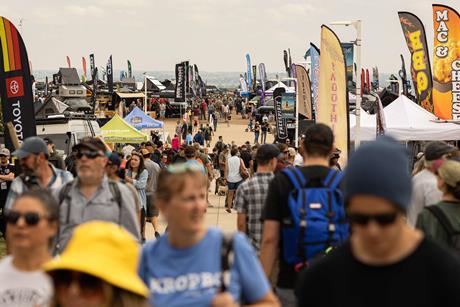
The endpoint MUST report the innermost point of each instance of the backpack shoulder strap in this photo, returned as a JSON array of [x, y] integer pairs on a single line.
[[295, 176], [64, 192], [442, 219], [116, 194], [226, 260], [333, 179]]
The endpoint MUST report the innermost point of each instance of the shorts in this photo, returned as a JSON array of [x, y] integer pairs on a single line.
[[234, 185], [152, 210]]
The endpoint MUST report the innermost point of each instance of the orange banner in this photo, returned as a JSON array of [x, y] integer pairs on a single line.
[[446, 62], [332, 108]]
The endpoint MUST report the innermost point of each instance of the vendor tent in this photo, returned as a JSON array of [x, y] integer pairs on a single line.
[[140, 120], [118, 131], [407, 121]]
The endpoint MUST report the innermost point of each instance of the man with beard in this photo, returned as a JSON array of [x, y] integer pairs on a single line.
[[92, 196], [37, 171]]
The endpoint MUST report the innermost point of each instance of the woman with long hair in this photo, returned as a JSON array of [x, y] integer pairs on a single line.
[[137, 174], [98, 268], [32, 223], [192, 264]]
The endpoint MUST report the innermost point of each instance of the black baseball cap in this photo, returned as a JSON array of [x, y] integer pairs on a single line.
[[435, 150], [32, 145], [90, 143], [114, 159], [267, 152], [48, 141]]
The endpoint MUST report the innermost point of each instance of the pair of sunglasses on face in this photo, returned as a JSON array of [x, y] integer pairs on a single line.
[[384, 219], [30, 218], [90, 154], [88, 284]]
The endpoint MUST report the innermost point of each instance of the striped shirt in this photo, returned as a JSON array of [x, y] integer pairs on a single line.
[[250, 200]]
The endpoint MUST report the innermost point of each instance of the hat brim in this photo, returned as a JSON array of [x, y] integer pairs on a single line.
[[97, 265], [21, 154], [86, 145]]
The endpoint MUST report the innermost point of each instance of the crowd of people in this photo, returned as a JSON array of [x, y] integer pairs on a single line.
[[309, 234]]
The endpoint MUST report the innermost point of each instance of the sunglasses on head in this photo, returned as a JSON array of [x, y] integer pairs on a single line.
[[184, 167], [364, 219], [90, 154], [31, 218], [87, 283]]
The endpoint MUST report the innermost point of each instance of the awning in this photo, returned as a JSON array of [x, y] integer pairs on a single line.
[[119, 131], [130, 95]]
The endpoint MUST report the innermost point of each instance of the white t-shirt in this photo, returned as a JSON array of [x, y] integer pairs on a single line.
[[21, 289], [233, 164]]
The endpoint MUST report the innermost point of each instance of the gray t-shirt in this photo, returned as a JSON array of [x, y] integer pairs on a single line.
[[154, 170], [425, 193], [21, 289]]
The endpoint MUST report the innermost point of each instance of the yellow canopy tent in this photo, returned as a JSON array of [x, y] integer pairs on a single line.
[[117, 130]]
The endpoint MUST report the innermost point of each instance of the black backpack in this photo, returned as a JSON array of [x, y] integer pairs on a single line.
[[454, 235]]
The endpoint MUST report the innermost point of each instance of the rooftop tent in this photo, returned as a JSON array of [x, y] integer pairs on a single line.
[[51, 106], [154, 85], [68, 76], [140, 120], [119, 131]]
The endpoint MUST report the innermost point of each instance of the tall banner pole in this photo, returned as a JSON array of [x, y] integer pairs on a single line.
[[15, 84], [414, 34], [333, 96], [446, 62]]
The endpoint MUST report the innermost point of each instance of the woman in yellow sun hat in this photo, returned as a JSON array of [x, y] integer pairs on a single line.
[[98, 268]]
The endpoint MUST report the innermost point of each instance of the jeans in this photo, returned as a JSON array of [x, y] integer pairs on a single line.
[[264, 137], [256, 137]]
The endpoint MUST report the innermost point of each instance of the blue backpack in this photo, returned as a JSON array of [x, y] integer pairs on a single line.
[[317, 221]]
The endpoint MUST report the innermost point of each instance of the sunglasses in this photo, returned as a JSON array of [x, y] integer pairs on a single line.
[[88, 284], [90, 154], [364, 219], [31, 218]]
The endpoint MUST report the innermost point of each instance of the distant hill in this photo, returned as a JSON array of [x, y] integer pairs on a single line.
[[220, 79]]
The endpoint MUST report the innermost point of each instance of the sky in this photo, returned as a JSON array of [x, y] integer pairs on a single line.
[[214, 34]]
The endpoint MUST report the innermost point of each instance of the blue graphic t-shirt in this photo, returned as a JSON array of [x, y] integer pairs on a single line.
[[192, 276]]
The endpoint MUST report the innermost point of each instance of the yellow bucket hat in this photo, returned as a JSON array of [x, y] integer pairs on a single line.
[[103, 250]]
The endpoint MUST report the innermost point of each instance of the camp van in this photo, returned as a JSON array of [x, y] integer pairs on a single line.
[[66, 130]]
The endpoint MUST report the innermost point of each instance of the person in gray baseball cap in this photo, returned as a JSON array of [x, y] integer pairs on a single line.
[[425, 190], [37, 172]]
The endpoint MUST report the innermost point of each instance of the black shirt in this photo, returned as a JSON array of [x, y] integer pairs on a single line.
[[246, 157], [430, 276], [276, 208], [5, 185]]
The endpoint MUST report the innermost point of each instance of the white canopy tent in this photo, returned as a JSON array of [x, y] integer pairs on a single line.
[[406, 121], [280, 84]]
